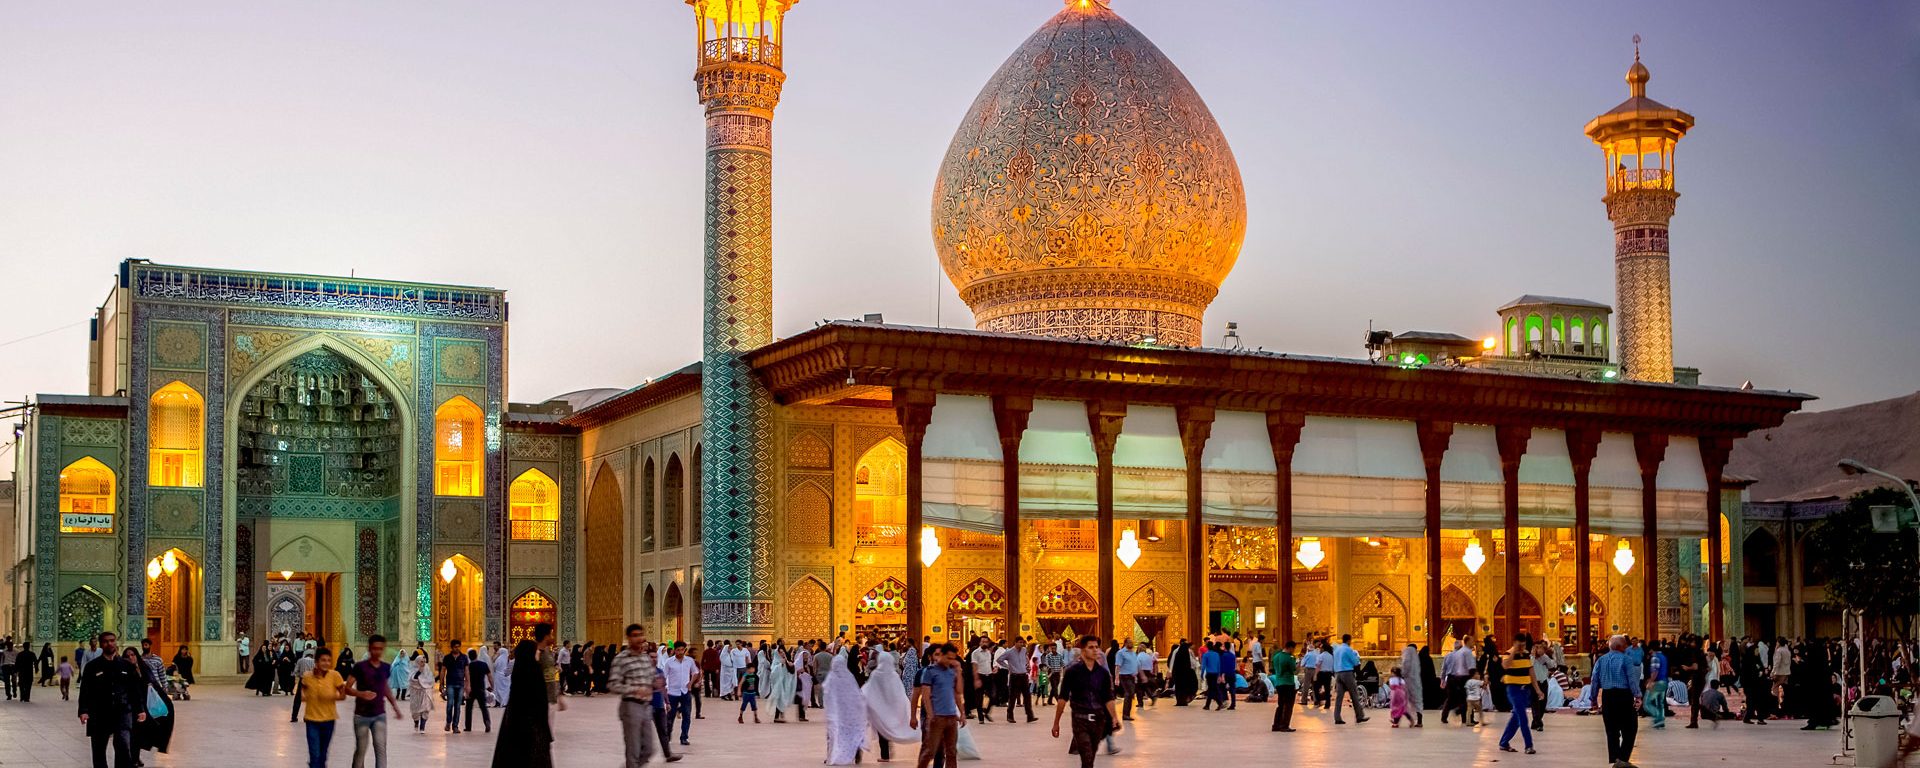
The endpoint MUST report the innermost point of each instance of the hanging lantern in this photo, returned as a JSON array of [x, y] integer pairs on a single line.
[[448, 570], [1623, 558], [929, 546], [1129, 549], [1474, 557], [153, 568], [169, 563], [1310, 553], [286, 574]]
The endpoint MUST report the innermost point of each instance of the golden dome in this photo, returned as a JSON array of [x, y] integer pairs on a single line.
[[1089, 192]]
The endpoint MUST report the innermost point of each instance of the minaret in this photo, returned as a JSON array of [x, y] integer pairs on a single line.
[[739, 79], [1639, 137]]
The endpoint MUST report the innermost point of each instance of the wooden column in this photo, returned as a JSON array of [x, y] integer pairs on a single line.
[[1434, 437], [1714, 450], [1283, 431], [1104, 418], [1582, 446], [1196, 425], [914, 409], [1010, 419], [1512, 441], [1650, 449]]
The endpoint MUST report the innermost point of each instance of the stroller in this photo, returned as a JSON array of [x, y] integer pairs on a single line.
[[174, 685]]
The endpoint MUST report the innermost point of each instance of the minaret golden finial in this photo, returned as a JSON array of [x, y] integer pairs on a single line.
[[1637, 75]]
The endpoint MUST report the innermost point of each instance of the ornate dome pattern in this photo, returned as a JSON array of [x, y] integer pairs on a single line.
[[1089, 192]]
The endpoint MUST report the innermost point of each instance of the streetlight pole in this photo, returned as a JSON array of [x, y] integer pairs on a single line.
[[1854, 467]]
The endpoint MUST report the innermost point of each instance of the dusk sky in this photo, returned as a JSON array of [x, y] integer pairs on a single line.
[[1416, 164]]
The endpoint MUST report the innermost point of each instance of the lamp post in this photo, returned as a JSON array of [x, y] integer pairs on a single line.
[[1854, 467]]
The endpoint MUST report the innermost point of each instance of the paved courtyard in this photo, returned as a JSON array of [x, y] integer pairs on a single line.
[[224, 727]]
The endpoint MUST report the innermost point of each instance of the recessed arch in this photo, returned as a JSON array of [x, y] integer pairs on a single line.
[[673, 623], [459, 448], [88, 491], [459, 600], [809, 609], [176, 437], [533, 507], [649, 508], [693, 494], [674, 489], [531, 609], [83, 615], [605, 576], [412, 565], [1760, 559], [174, 581]]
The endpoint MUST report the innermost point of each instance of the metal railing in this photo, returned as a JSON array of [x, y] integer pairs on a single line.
[[534, 530], [751, 50], [880, 535]]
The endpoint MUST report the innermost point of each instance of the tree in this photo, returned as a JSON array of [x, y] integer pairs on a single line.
[[1867, 571]]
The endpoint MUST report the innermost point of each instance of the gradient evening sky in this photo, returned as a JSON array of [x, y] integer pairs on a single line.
[[1413, 163]]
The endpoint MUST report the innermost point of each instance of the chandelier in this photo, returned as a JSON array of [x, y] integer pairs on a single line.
[[1474, 557], [1310, 553], [929, 546], [1623, 558], [1129, 549]]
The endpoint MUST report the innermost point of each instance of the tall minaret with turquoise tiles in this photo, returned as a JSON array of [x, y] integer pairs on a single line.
[[739, 78]]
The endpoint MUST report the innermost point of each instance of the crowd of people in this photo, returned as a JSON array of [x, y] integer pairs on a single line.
[[879, 693]]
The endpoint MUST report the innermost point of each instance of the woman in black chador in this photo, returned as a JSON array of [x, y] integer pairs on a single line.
[[526, 738]]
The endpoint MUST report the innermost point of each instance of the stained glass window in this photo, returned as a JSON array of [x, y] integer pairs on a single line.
[[176, 426], [890, 596], [534, 507], [457, 448]]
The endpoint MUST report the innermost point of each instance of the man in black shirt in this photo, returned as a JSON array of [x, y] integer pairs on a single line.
[[1088, 688], [479, 676], [113, 696], [454, 677]]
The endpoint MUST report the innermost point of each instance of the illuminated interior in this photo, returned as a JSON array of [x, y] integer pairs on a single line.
[[880, 495], [173, 601], [457, 448], [458, 601], [86, 497], [533, 510], [176, 437]]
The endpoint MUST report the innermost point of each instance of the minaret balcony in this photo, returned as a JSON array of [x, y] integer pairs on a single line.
[[740, 50]]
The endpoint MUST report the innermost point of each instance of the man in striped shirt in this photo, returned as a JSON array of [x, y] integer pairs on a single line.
[[631, 677], [1616, 686]]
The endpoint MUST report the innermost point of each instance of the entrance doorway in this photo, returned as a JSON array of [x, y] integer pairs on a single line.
[[459, 609], [173, 601], [304, 603]]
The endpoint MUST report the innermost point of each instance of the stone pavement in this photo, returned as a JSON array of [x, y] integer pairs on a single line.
[[224, 726]]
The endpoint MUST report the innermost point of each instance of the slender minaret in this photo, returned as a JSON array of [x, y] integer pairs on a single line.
[[1638, 137], [739, 79]]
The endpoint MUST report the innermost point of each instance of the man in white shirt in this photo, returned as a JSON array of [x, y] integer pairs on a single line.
[[244, 646], [1782, 664], [1257, 654], [1455, 669], [981, 699], [680, 671]]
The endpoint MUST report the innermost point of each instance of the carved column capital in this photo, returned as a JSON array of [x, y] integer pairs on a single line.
[[1283, 432], [1434, 436], [1104, 419], [914, 409]]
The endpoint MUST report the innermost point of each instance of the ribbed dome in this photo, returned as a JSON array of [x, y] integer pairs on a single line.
[[1089, 192]]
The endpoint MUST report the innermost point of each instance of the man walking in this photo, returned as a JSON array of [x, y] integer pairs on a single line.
[[25, 665], [1309, 669], [368, 682], [453, 671], [631, 678], [1087, 688], [680, 672], [479, 677], [981, 674], [1126, 667], [300, 670], [1617, 682], [243, 645], [1345, 661], [113, 696], [1014, 662], [1542, 670], [1284, 669], [936, 701], [1457, 668]]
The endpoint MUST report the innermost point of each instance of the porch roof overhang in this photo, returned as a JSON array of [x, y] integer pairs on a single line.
[[859, 363]]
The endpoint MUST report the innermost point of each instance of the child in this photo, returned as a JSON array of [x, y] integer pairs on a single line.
[[749, 693], [1397, 698], [321, 688], [66, 677], [1476, 692]]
